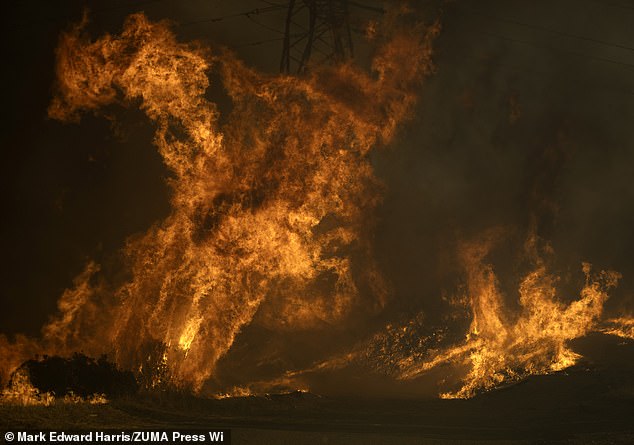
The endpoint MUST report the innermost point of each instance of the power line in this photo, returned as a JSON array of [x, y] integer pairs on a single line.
[[255, 11], [519, 67], [262, 25], [553, 31], [552, 48], [260, 42]]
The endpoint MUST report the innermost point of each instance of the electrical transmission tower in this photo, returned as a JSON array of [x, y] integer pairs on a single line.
[[318, 30]]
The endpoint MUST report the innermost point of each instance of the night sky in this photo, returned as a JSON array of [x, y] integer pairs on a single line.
[[527, 122]]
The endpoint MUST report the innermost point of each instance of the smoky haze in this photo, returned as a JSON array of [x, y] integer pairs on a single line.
[[525, 123], [524, 126]]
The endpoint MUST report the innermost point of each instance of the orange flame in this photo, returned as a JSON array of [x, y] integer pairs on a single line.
[[269, 212], [20, 391], [503, 346], [271, 223], [621, 327]]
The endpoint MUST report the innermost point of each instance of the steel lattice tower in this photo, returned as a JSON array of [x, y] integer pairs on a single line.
[[325, 38]]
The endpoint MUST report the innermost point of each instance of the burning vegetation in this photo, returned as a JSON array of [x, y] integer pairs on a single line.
[[271, 224], [503, 346], [43, 381]]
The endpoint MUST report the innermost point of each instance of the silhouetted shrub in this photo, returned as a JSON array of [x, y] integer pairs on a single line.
[[80, 375]]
